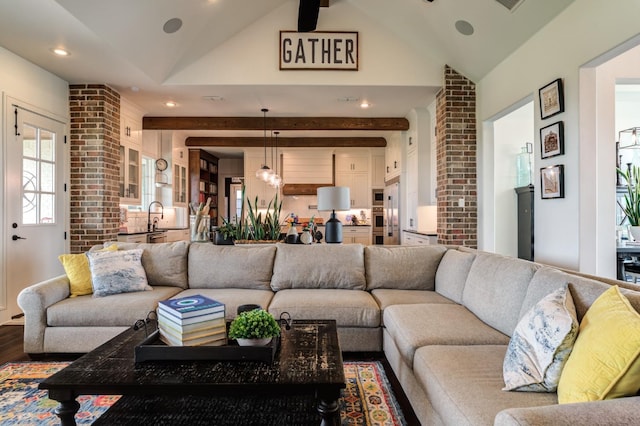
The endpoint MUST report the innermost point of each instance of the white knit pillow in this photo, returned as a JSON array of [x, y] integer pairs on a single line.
[[541, 344], [114, 272]]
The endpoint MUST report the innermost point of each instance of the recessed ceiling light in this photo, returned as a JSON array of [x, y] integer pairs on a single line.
[[364, 104], [172, 25], [60, 52], [170, 104], [464, 27], [135, 89]]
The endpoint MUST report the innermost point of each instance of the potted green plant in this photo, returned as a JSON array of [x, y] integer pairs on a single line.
[[225, 234], [254, 328], [631, 201]]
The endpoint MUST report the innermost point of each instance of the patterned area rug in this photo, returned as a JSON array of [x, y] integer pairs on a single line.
[[367, 399]]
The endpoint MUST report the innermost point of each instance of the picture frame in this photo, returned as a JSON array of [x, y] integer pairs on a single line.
[[552, 182], [552, 140], [551, 99]]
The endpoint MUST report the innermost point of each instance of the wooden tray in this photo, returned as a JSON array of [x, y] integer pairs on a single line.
[[154, 349]]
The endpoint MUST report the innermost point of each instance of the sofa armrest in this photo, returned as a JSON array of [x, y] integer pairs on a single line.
[[622, 411], [34, 301]]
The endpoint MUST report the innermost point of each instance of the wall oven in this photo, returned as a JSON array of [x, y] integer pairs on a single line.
[[377, 197], [377, 225]]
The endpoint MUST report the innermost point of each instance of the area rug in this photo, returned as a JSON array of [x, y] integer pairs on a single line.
[[367, 400]]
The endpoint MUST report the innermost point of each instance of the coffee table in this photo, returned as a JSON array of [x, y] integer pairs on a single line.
[[309, 362]]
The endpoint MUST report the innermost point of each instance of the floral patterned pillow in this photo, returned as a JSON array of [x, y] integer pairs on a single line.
[[117, 272], [541, 344]]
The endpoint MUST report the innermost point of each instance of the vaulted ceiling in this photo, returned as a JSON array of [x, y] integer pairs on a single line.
[[217, 51]]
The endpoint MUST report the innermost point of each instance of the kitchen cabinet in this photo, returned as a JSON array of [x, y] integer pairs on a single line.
[[377, 168], [179, 184], [133, 238], [130, 155], [393, 156], [412, 189], [414, 239], [352, 170], [356, 235], [255, 187], [351, 162], [178, 235], [203, 181]]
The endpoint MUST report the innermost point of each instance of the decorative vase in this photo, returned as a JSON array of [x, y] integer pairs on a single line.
[[305, 237], [254, 342], [634, 231], [292, 235]]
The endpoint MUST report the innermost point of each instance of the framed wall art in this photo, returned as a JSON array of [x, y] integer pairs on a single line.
[[552, 181], [552, 140], [551, 99]]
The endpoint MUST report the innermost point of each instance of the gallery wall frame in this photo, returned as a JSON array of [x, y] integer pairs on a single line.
[[551, 99], [552, 182], [552, 140]]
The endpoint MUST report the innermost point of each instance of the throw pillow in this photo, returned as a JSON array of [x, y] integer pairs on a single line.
[[541, 344], [605, 362], [76, 266], [117, 272]]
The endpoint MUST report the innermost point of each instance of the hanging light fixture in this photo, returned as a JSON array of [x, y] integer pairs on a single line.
[[264, 172], [276, 180]]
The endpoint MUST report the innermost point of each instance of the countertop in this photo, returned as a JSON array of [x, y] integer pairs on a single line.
[[147, 232], [428, 233]]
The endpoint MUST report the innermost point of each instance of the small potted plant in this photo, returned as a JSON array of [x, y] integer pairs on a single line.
[[254, 328], [225, 234], [631, 205]]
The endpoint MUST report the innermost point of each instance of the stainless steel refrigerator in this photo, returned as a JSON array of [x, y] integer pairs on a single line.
[[391, 214]]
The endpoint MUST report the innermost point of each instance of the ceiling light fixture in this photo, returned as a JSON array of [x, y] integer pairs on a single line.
[[364, 104], [170, 104], [264, 172], [60, 51], [275, 180]]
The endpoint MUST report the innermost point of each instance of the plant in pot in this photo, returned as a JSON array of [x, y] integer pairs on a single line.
[[254, 328], [631, 201], [225, 234]]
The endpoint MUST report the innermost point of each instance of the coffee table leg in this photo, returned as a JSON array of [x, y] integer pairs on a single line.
[[67, 408], [329, 411]]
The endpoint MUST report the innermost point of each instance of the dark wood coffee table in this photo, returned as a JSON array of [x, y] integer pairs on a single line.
[[309, 362]]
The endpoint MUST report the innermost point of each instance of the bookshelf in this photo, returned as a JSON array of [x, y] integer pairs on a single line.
[[203, 180]]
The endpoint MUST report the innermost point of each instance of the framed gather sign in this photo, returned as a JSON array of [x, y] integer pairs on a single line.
[[319, 51]]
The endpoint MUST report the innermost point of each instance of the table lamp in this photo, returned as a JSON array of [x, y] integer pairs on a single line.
[[333, 198]]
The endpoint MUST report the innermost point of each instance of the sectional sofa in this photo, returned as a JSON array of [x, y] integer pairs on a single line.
[[443, 316]]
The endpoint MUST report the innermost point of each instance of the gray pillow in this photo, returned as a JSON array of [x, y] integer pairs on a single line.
[[114, 272], [404, 268]]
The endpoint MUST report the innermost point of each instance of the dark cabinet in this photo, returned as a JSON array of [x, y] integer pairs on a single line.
[[203, 181], [525, 222]]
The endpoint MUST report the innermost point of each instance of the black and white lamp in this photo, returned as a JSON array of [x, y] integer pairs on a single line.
[[333, 198]]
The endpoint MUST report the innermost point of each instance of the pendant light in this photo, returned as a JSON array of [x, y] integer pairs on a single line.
[[264, 172], [276, 180]]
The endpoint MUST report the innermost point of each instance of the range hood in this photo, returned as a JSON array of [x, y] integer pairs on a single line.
[[304, 172], [302, 188]]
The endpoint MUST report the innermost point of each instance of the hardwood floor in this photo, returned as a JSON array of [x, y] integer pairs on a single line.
[[11, 350]]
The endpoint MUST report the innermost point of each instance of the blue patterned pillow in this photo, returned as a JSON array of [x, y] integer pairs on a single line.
[[541, 344], [117, 272]]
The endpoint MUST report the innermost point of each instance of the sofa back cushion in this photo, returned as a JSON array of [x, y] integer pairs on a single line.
[[319, 266], [495, 289], [453, 272], [165, 263], [404, 268], [247, 267], [585, 291]]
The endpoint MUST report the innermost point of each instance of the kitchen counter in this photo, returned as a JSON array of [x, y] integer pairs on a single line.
[[427, 233]]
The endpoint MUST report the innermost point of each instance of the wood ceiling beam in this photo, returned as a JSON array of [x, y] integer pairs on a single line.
[[293, 142], [274, 123], [324, 3]]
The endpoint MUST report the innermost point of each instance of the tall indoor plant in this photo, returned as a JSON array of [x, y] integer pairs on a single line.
[[631, 200]]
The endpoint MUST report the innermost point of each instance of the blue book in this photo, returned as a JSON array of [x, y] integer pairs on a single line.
[[191, 306]]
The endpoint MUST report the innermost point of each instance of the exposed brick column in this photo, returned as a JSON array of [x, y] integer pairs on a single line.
[[95, 157], [456, 159]]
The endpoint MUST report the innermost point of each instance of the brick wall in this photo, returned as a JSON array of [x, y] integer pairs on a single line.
[[95, 157], [456, 159]]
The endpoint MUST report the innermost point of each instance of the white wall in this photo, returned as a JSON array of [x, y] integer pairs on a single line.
[[584, 31], [33, 87]]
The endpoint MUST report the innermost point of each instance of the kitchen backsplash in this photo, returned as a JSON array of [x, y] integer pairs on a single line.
[[136, 221], [306, 206]]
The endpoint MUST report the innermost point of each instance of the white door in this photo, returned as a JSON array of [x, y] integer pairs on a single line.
[[35, 223]]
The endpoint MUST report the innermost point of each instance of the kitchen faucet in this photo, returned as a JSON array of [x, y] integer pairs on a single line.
[[151, 225]]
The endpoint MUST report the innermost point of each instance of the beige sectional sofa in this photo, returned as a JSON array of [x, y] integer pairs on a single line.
[[443, 316]]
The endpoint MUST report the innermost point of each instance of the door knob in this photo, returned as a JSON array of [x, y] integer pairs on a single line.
[[16, 238]]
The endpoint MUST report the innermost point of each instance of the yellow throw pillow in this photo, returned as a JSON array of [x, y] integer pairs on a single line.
[[605, 362], [76, 266]]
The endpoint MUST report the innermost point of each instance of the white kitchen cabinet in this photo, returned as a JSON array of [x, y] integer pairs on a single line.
[[412, 190], [130, 154], [356, 235], [393, 156], [377, 168], [352, 162], [359, 189], [178, 235], [132, 238], [414, 239], [255, 187], [180, 182]]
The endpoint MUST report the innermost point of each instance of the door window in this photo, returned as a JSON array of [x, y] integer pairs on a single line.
[[38, 176]]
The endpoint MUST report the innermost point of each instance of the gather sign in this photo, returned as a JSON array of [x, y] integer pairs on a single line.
[[319, 51]]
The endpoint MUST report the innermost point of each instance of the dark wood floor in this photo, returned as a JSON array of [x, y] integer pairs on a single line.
[[11, 350]]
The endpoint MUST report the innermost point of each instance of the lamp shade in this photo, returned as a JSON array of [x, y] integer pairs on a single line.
[[334, 198]]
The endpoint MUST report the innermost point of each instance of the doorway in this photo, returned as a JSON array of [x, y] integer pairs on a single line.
[[35, 203]]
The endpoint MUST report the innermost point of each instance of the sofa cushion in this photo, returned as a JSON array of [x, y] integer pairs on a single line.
[[452, 273], [350, 308], [244, 267], [605, 363], [388, 297], [319, 266], [585, 291], [545, 281], [495, 289], [413, 326], [464, 383], [406, 268], [114, 272], [76, 266], [116, 310], [541, 344], [165, 263], [233, 297]]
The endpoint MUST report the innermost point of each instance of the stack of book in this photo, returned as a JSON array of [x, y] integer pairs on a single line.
[[192, 321]]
